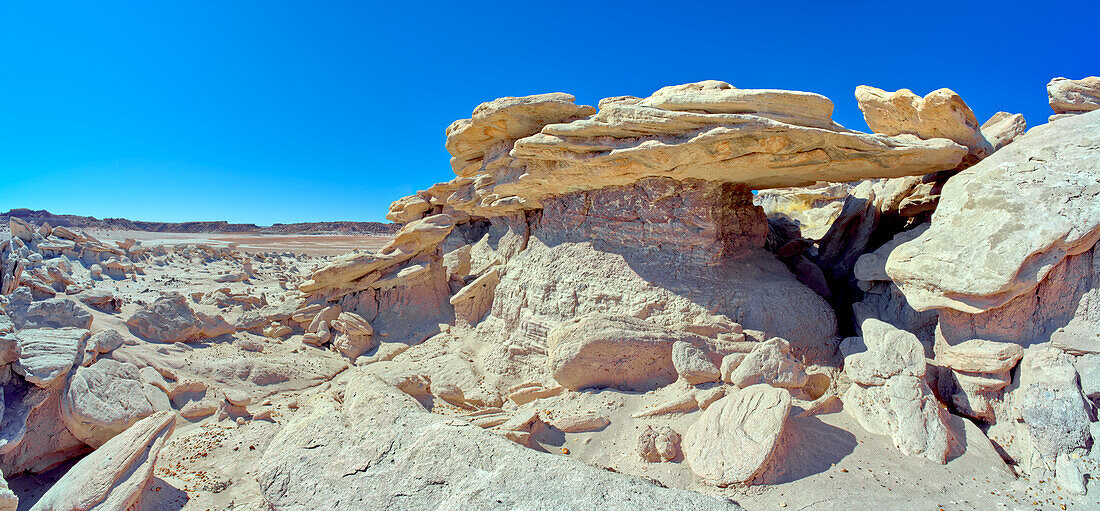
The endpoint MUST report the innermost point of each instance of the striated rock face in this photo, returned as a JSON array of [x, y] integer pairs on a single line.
[[379, 448], [940, 114], [1005, 223], [1068, 96], [116, 474], [759, 138], [710, 130], [46, 355], [480, 142]]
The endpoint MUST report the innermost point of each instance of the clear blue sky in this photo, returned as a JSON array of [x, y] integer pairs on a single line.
[[271, 111]]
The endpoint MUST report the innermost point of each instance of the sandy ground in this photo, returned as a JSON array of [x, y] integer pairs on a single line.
[[312, 244]]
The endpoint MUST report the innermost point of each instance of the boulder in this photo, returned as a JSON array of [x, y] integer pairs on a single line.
[[32, 435], [657, 444], [1067, 96], [939, 114], [769, 362], [379, 448], [580, 422], [107, 397], [46, 354], [1057, 420], [103, 341], [738, 439], [480, 140], [598, 351], [21, 229], [1005, 223], [408, 209], [1003, 128], [116, 474], [692, 364], [356, 270], [889, 396], [355, 335], [171, 319], [102, 300]]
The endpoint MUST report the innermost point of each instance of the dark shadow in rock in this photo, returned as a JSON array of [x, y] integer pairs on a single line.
[[162, 496], [812, 448], [30, 487], [958, 431]]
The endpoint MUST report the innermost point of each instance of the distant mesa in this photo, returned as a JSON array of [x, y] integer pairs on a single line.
[[121, 224]]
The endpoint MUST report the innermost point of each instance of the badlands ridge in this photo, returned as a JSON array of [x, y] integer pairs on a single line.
[[708, 298]]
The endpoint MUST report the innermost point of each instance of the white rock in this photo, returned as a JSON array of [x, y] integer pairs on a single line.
[[379, 446], [769, 362], [106, 398], [692, 364], [1006, 222], [116, 474], [738, 438], [46, 354]]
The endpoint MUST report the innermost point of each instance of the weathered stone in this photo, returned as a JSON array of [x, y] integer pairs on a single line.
[[475, 299], [21, 229], [596, 350], [1068, 96], [658, 444], [355, 336], [1004, 224], [889, 396], [738, 439], [1056, 418], [51, 313], [692, 364], [379, 448], [980, 356], [940, 114], [1003, 128], [106, 398], [171, 319], [769, 362], [408, 209], [414, 238], [116, 474], [8, 500], [46, 354], [471, 141]]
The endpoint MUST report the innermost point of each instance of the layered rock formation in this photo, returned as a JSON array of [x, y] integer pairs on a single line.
[[1071, 97]]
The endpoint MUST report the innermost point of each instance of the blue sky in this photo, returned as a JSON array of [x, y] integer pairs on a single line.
[[271, 111]]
